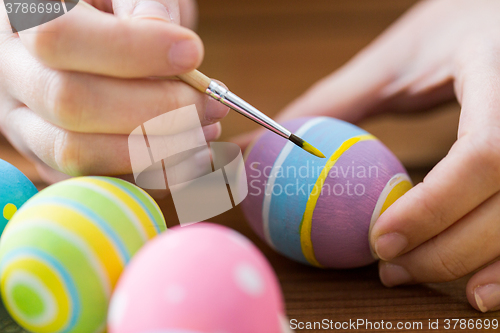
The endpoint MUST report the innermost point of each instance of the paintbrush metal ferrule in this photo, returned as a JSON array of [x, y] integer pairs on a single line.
[[223, 95], [231, 100]]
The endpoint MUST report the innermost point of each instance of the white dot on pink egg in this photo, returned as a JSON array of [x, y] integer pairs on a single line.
[[203, 278], [175, 294], [248, 279], [118, 308]]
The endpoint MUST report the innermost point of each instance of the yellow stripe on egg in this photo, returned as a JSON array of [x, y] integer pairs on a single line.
[[398, 185], [48, 289], [306, 224], [102, 253], [127, 203]]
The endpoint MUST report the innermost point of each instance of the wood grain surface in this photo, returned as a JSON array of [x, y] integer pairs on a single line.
[[256, 46]]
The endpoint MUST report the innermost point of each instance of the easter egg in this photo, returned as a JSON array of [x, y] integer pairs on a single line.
[[64, 250], [15, 190], [198, 278], [319, 211]]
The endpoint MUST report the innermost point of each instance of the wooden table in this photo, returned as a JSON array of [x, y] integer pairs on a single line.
[[253, 46]]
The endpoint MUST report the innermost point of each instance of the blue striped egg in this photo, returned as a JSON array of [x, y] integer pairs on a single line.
[[319, 211]]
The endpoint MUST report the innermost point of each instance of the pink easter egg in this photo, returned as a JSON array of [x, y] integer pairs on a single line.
[[199, 278]]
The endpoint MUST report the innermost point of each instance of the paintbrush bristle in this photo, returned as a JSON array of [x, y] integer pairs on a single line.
[[306, 146]]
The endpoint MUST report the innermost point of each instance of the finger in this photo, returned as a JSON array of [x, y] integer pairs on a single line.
[[467, 176], [347, 94], [387, 76], [458, 184], [464, 247], [73, 153], [355, 92], [49, 175], [189, 13], [212, 132], [5, 27], [477, 83], [244, 140], [483, 289], [97, 104], [164, 10], [91, 41]]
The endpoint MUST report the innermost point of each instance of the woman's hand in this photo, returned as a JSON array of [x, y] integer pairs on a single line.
[[448, 225], [73, 89]]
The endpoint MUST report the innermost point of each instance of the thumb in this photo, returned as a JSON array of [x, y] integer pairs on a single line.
[[165, 10]]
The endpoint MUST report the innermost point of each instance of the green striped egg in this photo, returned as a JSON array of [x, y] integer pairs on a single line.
[[63, 252]]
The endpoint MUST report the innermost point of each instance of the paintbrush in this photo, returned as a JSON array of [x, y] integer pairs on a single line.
[[201, 82]]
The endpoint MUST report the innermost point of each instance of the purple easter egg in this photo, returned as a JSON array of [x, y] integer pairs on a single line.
[[319, 211]]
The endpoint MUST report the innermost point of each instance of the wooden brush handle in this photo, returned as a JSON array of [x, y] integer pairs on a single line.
[[196, 79]]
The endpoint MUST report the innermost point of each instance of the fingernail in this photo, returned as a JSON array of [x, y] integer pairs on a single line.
[[212, 131], [184, 54], [214, 110], [488, 297], [151, 10], [388, 246], [392, 275]]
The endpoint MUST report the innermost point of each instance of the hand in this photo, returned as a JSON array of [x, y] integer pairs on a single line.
[[73, 89], [448, 225]]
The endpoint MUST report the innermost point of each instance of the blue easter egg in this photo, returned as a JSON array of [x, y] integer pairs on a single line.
[[15, 190]]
